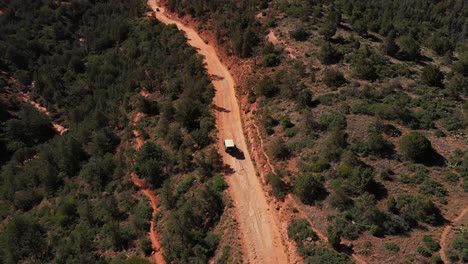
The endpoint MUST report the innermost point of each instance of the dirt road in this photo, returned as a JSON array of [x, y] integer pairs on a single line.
[[260, 234], [443, 238], [157, 257]]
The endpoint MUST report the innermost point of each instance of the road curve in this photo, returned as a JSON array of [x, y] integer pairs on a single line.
[[260, 233]]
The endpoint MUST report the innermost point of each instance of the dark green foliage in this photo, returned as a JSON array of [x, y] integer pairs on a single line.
[[333, 121], [31, 127], [457, 85], [267, 87], [328, 29], [280, 150], [309, 188], [271, 60], [87, 61], [417, 208], [279, 188], [328, 54], [300, 231], [185, 237], [416, 147], [299, 34], [334, 238], [431, 187], [333, 78], [150, 162], [432, 76], [22, 239], [430, 243], [390, 46], [375, 145], [392, 247], [305, 98], [147, 106], [409, 48], [424, 252]]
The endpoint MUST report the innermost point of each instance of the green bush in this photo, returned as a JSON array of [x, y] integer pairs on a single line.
[[430, 243], [299, 34], [300, 231], [333, 78], [309, 188], [432, 76], [424, 252], [271, 60], [328, 54], [280, 150], [416, 147], [267, 87], [392, 247], [279, 188]]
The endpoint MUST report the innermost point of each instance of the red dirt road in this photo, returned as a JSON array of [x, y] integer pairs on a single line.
[[259, 228], [157, 257]]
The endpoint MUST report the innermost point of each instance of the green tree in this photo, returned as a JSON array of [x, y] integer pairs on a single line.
[[409, 47], [309, 188], [22, 239], [416, 147], [390, 46], [328, 54], [150, 163], [432, 76], [333, 78]]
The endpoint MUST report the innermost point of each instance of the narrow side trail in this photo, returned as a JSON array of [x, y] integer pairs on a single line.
[[157, 257], [443, 237], [259, 228]]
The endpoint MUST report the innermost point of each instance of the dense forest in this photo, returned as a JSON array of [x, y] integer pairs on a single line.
[[69, 198], [362, 105]]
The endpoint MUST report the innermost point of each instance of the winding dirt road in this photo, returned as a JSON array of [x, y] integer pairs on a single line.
[[259, 228], [158, 256], [443, 237]]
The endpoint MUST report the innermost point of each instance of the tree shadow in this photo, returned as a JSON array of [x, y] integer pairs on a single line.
[[215, 77], [379, 191], [227, 170], [221, 109]]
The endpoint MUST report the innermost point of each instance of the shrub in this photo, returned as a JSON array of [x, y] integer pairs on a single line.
[[430, 243], [309, 188], [280, 150], [300, 230], [146, 246], [416, 147], [333, 121], [333, 78], [279, 188], [267, 87], [299, 34], [334, 238], [431, 187], [424, 252], [432, 76], [271, 60], [328, 54], [392, 247], [414, 208]]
